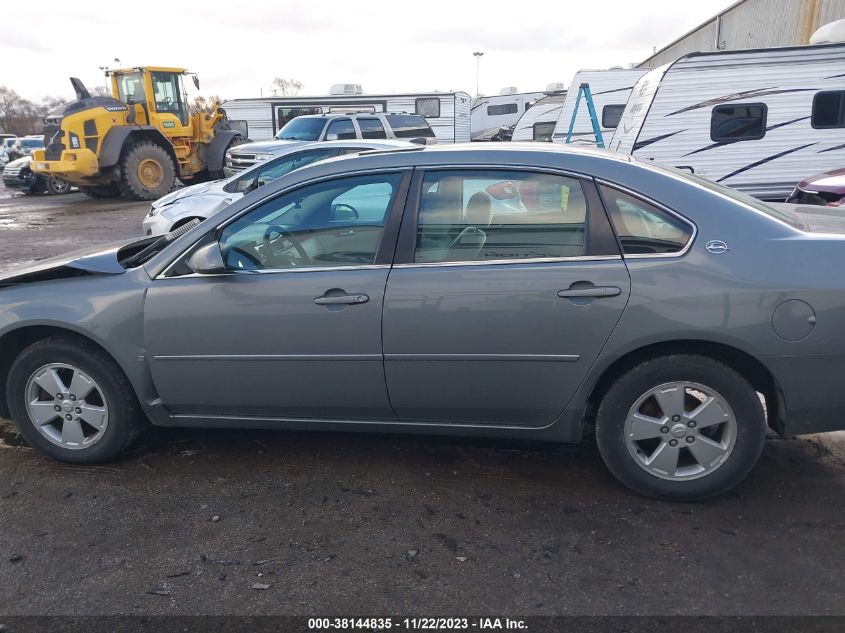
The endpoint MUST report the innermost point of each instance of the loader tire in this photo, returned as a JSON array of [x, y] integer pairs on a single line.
[[102, 192], [147, 172]]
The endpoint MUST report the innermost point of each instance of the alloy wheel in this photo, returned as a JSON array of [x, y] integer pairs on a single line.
[[66, 406], [680, 431]]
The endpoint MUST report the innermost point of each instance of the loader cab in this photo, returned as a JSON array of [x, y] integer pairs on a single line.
[[158, 95]]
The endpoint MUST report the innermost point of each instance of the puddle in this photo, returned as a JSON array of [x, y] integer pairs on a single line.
[[9, 223]]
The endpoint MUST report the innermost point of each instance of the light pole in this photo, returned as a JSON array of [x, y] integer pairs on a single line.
[[477, 55]]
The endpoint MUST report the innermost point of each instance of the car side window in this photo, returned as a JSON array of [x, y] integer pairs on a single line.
[[642, 228], [343, 128], [495, 215], [371, 128], [334, 223]]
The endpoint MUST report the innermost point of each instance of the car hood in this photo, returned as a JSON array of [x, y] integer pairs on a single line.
[[20, 162], [831, 182], [101, 260], [264, 147], [213, 187]]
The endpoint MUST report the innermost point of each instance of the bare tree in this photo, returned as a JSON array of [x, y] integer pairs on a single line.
[[100, 91], [18, 115], [205, 104], [50, 104], [287, 87]]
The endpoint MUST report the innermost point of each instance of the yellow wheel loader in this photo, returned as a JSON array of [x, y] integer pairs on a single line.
[[136, 142]]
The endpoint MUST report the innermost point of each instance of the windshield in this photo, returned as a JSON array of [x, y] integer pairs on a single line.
[[302, 129]]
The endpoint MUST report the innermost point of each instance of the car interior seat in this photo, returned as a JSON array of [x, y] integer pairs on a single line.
[[478, 216]]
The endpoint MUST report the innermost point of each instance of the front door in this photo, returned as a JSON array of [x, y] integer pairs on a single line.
[[511, 285], [293, 328]]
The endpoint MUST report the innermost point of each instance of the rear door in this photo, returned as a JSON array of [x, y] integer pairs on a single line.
[[506, 287]]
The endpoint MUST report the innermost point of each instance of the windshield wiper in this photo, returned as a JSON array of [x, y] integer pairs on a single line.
[[144, 255]]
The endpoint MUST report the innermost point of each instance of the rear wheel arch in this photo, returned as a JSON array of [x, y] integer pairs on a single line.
[[755, 372]]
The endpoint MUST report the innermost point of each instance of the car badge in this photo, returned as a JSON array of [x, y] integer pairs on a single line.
[[717, 247]]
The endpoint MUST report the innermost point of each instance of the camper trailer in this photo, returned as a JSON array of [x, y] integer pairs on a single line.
[[610, 90], [755, 120], [448, 113], [491, 114], [538, 124]]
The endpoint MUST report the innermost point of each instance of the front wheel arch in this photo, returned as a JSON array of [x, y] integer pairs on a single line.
[[13, 342]]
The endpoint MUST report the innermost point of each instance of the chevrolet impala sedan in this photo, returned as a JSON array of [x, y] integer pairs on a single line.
[[505, 290]]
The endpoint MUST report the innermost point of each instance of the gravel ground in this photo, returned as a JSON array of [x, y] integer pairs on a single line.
[[195, 522]]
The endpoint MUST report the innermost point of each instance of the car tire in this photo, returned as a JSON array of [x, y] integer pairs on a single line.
[[101, 192], [714, 453], [106, 416], [147, 172], [57, 186]]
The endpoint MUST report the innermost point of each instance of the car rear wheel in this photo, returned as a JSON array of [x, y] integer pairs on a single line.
[[680, 428], [72, 402]]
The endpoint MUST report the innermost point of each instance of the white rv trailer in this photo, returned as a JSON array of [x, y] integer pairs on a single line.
[[610, 90], [757, 120], [448, 113], [490, 114], [538, 124]]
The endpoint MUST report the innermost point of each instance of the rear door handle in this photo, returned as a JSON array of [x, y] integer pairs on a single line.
[[333, 300], [596, 292]]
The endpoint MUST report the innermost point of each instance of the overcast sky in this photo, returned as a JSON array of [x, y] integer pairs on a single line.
[[237, 47]]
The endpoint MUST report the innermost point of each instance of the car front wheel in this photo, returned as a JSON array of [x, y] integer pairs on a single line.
[[72, 402], [680, 428]]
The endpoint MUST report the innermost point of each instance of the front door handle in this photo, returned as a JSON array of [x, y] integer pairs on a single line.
[[595, 292], [333, 300]]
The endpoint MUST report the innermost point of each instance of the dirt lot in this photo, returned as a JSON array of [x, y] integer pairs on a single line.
[[367, 525]]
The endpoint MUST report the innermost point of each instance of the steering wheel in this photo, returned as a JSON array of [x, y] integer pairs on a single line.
[[282, 232]]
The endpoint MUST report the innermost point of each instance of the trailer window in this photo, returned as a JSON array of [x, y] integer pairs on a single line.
[[738, 122], [284, 115], [611, 115], [543, 131], [429, 107], [502, 108], [829, 109], [371, 128]]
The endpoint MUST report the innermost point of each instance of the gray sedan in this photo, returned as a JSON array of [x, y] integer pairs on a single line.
[[508, 291]]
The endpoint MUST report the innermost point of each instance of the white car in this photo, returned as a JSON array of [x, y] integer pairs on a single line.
[[205, 199]]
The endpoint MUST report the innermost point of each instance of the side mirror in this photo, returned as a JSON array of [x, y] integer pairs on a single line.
[[196, 81], [207, 260], [332, 137]]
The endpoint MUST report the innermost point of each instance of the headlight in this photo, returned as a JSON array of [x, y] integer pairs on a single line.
[[260, 157]]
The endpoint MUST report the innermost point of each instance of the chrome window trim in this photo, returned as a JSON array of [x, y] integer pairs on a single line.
[[266, 271], [692, 225], [281, 192], [499, 262]]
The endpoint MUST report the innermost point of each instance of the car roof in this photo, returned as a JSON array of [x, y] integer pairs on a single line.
[[286, 149]]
